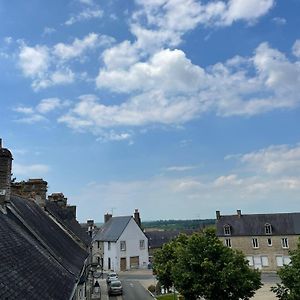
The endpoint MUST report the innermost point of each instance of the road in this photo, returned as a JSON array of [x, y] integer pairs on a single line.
[[132, 290]]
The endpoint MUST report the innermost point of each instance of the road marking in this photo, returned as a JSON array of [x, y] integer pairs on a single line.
[[131, 284]]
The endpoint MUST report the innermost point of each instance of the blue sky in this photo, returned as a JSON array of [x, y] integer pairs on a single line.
[[176, 107]]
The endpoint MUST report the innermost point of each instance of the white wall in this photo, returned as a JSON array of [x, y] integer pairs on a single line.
[[112, 253], [132, 235]]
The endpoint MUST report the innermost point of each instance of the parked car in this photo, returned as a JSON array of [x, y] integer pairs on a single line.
[[115, 288], [112, 277]]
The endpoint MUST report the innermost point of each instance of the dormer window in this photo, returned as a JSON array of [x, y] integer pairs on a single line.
[[268, 228], [227, 229]]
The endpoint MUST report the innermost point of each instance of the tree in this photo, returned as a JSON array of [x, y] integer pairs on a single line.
[[201, 266], [289, 288]]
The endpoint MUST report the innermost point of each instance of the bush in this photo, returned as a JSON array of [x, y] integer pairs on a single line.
[[151, 288]]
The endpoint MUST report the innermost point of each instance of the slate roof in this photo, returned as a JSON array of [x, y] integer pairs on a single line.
[[38, 260], [68, 220], [254, 224], [112, 230], [157, 238]]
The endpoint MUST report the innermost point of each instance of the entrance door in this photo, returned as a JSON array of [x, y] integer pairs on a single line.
[[123, 263], [134, 262]]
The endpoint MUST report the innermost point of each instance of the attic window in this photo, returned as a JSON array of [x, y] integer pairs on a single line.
[[227, 229], [268, 228]]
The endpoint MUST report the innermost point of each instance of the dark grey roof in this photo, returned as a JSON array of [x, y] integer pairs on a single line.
[[254, 224], [66, 217], [157, 238], [38, 259], [112, 230]]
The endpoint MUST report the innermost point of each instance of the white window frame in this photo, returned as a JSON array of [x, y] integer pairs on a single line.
[[285, 243], [268, 228], [228, 243], [255, 243], [270, 244], [142, 244], [123, 245], [227, 229]]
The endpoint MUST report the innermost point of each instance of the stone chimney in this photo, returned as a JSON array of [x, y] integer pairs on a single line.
[[58, 198], [107, 217], [239, 213], [137, 217], [35, 189], [5, 174], [218, 215]]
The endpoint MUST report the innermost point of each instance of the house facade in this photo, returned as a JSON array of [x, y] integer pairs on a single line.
[[120, 244], [265, 239]]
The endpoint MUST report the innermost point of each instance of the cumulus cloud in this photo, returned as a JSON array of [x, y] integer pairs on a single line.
[[77, 48], [49, 66], [34, 61]]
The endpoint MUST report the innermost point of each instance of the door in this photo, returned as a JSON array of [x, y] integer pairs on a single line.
[[134, 262], [123, 263], [109, 264]]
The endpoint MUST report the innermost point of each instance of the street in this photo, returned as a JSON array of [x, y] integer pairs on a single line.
[[132, 290]]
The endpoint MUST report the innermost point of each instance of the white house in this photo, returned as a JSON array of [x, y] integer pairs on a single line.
[[120, 244]]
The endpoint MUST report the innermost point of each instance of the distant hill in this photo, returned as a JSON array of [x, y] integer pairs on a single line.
[[177, 224]]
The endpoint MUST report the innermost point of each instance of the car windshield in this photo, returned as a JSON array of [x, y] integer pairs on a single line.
[[116, 284], [112, 275]]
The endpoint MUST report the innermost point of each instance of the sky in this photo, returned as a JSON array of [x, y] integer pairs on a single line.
[[176, 107]]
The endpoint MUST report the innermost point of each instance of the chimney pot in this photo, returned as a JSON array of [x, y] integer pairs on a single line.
[[218, 215], [137, 217]]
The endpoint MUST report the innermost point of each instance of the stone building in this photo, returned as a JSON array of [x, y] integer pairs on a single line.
[[265, 239], [42, 254]]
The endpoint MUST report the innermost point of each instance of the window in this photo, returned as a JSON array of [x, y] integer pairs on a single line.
[[228, 243], [255, 243], [269, 242], [268, 228], [282, 260], [250, 260], [227, 230], [98, 244], [123, 246], [108, 245], [265, 261], [285, 243], [142, 244]]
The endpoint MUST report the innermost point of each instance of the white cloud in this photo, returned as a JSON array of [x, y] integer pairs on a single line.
[[34, 61], [279, 21], [167, 70], [48, 31], [31, 115], [77, 48], [49, 66], [85, 15], [274, 160], [47, 105], [168, 20], [296, 48], [180, 168], [30, 170]]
